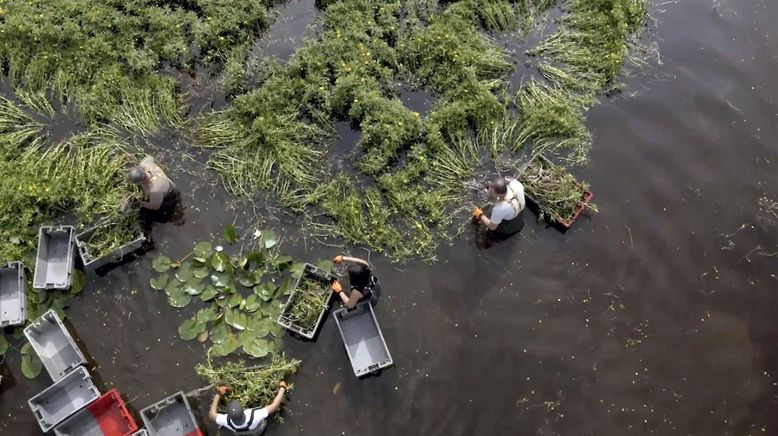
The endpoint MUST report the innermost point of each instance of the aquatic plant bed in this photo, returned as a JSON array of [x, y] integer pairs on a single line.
[[556, 194], [108, 242], [308, 302]]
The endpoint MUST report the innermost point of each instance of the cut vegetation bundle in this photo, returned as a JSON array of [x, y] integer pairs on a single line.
[[557, 194], [308, 302]]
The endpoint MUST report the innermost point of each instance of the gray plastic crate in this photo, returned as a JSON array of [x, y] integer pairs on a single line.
[[90, 262], [362, 337], [62, 399], [312, 272], [141, 432], [170, 417], [13, 294], [54, 345], [54, 263]]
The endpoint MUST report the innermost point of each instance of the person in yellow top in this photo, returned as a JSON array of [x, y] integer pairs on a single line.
[[160, 194]]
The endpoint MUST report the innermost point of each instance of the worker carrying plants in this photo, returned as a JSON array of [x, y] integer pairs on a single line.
[[161, 195], [240, 421], [504, 217], [364, 285]]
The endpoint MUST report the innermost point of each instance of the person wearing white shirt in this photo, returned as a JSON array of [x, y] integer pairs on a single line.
[[505, 217]]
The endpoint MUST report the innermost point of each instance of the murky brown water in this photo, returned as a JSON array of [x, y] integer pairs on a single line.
[[634, 322]]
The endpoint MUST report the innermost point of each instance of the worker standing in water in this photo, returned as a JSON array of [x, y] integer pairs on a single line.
[[504, 217], [363, 284], [161, 198], [244, 421]]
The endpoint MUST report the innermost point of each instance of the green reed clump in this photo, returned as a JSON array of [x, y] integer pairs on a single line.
[[83, 176], [251, 385], [106, 56]]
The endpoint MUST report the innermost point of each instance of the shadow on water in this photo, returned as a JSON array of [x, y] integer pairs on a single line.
[[646, 318]]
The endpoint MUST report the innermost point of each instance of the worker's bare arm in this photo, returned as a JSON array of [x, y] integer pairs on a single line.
[[276, 404], [212, 409], [352, 299], [355, 260], [488, 223]]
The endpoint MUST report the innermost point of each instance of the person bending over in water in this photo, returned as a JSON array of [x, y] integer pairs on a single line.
[[505, 217], [363, 284]]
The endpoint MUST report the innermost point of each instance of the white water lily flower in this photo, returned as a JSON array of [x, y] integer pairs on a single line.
[[219, 248], [257, 234]]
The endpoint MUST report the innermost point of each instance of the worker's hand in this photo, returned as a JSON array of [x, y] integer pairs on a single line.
[[222, 388], [338, 258], [336, 287], [282, 384], [477, 213]]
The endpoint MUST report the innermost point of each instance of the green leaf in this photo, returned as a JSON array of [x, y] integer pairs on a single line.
[[246, 279], [183, 274], [257, 348], [227, 347], [283, 259], [207, 314], [194, 288], [78, 282], [161, 263], [234, 300], [219, 333], [173, 288], [159, 283], [3, 344], [200, 272], [297, 270], [230, 234], [260, 325], [326, 265], [220, 280], [276, 345], [179, 301], [237, 319], [256, 260], [190, 328], [269, 239], [31, 363], [203, 249], [252, 303], [265, 291], [246, 337], [219, 262], [276, 330], [209, 293], [273, 309]]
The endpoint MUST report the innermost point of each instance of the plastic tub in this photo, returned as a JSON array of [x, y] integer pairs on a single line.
[[54, 345], [13, 294], [362, 338], [309, 271], [54, 262], [60, 400], [90, 262], [170, 417], [106, 416], [141, 432]]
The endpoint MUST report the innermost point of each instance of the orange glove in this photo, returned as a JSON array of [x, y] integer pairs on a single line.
[[477, 213], [338, 258], [222, 388], [336, 287], [282, 384]]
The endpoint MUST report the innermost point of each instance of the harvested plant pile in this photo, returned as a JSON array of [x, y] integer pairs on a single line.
[[555, 190], [308, 301], [108, 238], [252, 386]]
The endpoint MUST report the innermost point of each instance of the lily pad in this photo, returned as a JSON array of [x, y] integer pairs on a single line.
[[273, 309], [276, 330], [77, 284], [161, 263], [269, 239], [159, 283], [207, 314], [190, 328], [230, 234], [247, 279], [220, 280], [276, 345], [179, 301], [200, 272], [203, 249], [260, 325], [265, 291], [297, 270], [258, 348], [184, 274], [219, 262], [209, 293], [234, 300], [219, 333], [227, 347], [252, 303], [194, 287], [173, 288], [255, 260], [237, 319], [3, 344], [31, 363]]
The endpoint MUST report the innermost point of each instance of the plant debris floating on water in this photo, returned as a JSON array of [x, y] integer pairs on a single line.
[[252, 386]]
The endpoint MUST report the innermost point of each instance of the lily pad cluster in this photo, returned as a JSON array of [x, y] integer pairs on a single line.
[[239, 295]]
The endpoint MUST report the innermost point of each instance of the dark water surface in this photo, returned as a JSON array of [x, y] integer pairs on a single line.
[[644, 319]]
